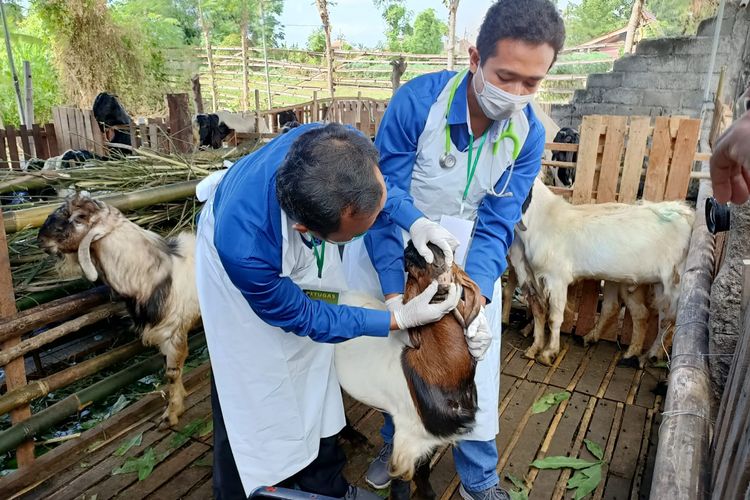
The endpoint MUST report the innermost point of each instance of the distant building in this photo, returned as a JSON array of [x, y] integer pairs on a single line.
[[611, 43]]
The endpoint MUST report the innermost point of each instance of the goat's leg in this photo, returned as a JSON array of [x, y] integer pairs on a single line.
[[508, 291], [635, 301], [424, 489], [539, 311], [400, 489], [175, 349], [663, 342], [608, 316], [557, 297]]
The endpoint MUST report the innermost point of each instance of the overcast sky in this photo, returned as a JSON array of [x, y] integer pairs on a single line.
[[360, 22]]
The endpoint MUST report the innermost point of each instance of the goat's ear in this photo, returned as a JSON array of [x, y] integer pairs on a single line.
[[471, 304], [84, 252]]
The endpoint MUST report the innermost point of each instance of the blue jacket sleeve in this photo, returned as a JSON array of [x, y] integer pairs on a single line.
[[280, 302], [396, 141], [497, 217]]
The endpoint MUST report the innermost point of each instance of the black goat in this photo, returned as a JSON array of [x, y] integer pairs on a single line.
[[565, 177]]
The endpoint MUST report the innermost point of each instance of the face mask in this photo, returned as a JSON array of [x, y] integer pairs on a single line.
[[341, 243], [496, 103]]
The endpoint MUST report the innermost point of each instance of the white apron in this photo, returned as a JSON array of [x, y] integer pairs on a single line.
[[438, 191], [278, 392]]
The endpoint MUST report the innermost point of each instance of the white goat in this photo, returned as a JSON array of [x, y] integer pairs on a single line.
[[154, 275], [641, 244]]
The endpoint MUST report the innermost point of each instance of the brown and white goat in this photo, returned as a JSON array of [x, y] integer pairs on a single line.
[[631, 245], [152, 274], [423, 378]]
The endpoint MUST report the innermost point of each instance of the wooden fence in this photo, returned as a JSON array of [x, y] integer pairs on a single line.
[[611, 157], [75, 128], [232, 73], [731, 438]]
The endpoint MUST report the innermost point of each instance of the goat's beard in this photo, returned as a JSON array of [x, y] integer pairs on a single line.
[[67, 266]]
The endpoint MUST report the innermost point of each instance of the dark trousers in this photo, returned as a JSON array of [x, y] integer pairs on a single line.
[[323, 476]]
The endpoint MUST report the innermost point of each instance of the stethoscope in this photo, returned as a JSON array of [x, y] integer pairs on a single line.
[[448, 160]]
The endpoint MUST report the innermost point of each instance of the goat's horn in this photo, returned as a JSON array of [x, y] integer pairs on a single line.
[[84, 253], [521, 226]]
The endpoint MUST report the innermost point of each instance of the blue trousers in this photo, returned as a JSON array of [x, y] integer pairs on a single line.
[[476, 461]]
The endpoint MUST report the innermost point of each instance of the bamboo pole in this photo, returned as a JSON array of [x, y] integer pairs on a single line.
[[40, 388], [97, 314], [13, 74], [54, 311], [197, 97], [209, 56], [245, 69], [29, 90], [43, 297], [35, 217], [12, 437], [265, 51], [681, 466], [15, 372]]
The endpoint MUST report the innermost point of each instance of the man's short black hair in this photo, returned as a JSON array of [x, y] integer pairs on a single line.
[[328, 171], [532, 21]]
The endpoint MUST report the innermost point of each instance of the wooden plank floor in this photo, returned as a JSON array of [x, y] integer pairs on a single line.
[[612, 405]]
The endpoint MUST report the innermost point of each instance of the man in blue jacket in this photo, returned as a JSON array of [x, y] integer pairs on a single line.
[[269, 276], [463, 150]]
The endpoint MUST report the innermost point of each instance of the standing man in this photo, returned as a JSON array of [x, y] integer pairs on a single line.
[[463, 150], [269, 275]]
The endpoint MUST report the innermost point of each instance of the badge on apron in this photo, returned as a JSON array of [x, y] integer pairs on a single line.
[[329, 296]]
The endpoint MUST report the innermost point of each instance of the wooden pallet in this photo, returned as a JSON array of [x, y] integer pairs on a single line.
[[612, 405], [613, 155]]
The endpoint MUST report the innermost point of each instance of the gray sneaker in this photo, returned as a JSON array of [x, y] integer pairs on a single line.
[[355, 493], [377, 474], [493, 493]]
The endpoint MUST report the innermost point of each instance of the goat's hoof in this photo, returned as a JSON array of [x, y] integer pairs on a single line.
[[547, 358], [629, 362], [168, 420], [400, 489], [530, 353], [588, 339]]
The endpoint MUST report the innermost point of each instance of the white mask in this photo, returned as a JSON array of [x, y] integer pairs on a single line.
[[496, 103]]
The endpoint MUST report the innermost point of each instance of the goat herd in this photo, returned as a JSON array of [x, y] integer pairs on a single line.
[[638, 251]]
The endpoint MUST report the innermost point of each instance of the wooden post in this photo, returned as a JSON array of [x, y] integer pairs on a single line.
[[682, 455], [15, 371], [29, 90], [13, 74], [314, 112], [197, 97], [210, 57], [180, 125], [359, 111], [265, 52], [399, 68], [245, 69], [257, 111]]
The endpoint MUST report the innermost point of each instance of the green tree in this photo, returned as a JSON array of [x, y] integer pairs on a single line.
[[398, 26], [316, 42], [592, 18], [428, 35]]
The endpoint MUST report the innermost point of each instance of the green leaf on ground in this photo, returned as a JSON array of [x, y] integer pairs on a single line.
[[595, 449], [124, 447], [561, 463], [549, 401], [590, 479], [143, 465]]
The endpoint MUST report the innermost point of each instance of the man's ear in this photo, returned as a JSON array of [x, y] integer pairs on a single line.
[[300, 228], [473, 59]]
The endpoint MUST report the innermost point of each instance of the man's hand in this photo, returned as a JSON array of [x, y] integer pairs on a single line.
[[478, 336], [425, 231], [730, 163], [418, 311]]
